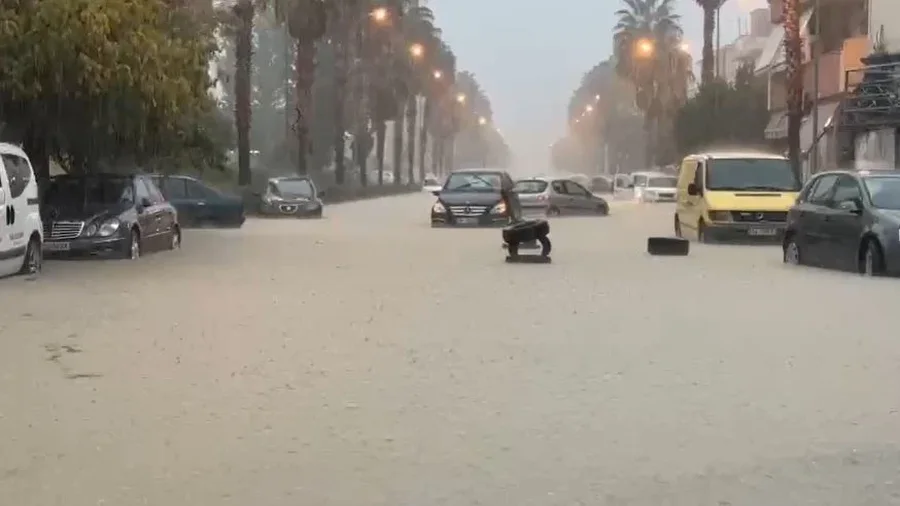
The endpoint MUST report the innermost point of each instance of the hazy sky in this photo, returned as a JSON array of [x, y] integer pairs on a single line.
[[529, 57]]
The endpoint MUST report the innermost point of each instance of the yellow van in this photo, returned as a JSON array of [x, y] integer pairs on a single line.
[[724, 196]]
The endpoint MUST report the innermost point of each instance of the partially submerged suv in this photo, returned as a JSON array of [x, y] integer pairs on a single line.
[[475, 197]]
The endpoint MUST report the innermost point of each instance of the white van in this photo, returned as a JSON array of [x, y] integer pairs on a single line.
[[21, 233]]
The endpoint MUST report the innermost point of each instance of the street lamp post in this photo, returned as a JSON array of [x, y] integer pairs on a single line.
[[813, 166]]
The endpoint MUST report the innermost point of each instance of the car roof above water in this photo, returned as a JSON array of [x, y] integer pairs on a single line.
[[736, 155]]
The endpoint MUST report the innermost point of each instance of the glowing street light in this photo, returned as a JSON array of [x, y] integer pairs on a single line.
[[417, 50], [589, 108], [380, 15], [597, 97], [482, 121], [461, 98], [685, 47], [645, 47], [438, 74]]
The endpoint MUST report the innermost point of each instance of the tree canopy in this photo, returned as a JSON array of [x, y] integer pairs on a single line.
[[91, 81]]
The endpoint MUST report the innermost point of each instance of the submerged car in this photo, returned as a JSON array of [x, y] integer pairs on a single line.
[[557, 196], [107, 214], [199, 204], [847, 220], [294, 196], [431, 184], [474, 197], [655, 187]]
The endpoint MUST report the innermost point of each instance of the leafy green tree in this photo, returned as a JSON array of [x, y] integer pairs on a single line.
[[91, 81], [723, 115]]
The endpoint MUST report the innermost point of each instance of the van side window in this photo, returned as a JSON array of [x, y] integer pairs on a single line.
[[18, 171], [698, 174]]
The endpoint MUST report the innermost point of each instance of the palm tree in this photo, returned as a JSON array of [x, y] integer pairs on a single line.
[[794, 60], [644, 37], [244, 11], [419, 29], [710, 7]]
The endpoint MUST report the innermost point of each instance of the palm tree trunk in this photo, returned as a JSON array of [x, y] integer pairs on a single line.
[[707, 73], [340, 95], [649, 138], [305, 68], [411, 111], [437, 154], [380, 134], [423, 138], [398, 143], [793, 58], [243, 48]]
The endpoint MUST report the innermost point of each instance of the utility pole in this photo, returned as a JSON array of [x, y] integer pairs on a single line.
[[813, 166]]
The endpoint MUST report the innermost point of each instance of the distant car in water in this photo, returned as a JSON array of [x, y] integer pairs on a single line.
[[199, 204], [557, 196], [847, 220], [431, 184], [602, 184], [474, 197], [107, 214], [295, 196], [654, 187]]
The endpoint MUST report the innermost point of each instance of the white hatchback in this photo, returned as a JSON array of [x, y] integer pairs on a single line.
[[21, 233], [654, 187]]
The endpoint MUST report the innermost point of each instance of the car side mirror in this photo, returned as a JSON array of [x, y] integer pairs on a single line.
[[436, 193], [694, 190], [852, 206], [145, 203]]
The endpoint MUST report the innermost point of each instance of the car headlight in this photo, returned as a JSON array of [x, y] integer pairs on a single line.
[[500, 208], [438, 208], [719, 216], [108, 227]]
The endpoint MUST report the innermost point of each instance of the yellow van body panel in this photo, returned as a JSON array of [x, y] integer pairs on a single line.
[[747, 201]]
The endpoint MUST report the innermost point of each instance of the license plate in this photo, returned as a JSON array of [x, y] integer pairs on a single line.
[[764, 232], [467, 221], [56, 246]]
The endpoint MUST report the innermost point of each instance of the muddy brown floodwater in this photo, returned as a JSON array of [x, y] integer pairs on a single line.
[[368, 360]]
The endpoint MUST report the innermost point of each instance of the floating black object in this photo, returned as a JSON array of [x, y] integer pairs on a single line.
[[668, 246], [527, 234]]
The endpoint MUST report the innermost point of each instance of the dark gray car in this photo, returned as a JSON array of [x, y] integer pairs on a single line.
[[847, 220]]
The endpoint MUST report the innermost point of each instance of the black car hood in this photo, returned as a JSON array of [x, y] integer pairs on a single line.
[[475, 198], [77, 213]]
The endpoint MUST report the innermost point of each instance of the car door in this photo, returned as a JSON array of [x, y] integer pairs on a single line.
[[811, 215], [174, 188], [559, 196], [10, 258], [582, 203], [841, 227], [206, 203], [693, 205], [164, 214], [19, 203], [146, 214]]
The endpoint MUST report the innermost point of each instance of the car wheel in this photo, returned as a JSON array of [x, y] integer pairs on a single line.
[[175, 238], [34, 258], [132, 250], [872, 261], [701, 232], [792, 253], [677, 227], [603, 209]]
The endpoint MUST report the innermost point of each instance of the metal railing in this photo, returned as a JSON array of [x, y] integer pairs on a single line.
[[873, 96]]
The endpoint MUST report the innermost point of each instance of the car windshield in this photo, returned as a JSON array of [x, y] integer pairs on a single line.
[[81, 192], [662, 182], [530, 186], [293, 187], [884, 191], [762, 174], [473, 181]]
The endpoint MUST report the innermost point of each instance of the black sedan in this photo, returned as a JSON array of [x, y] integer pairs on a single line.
[[474, 197], [849, 221], [199, 204], [107, 214], [291, 196]]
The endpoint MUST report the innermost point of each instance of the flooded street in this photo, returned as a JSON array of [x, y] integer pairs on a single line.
[[368, 360]]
